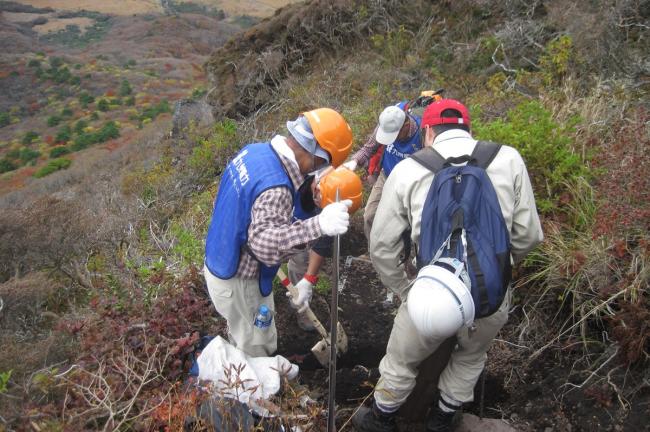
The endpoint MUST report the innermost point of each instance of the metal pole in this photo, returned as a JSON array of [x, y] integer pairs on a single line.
[[334, 311]]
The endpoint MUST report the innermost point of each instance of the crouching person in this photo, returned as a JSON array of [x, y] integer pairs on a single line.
[[314, 194], [252, 229], [478, 190]]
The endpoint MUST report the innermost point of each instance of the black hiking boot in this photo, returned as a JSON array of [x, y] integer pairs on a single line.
[[439, 420], [373, 420]]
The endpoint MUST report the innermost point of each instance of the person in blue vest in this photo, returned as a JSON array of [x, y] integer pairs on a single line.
[[399, 131], [252, 229]]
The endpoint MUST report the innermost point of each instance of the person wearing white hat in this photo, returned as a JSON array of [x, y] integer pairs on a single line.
[[399, 132]]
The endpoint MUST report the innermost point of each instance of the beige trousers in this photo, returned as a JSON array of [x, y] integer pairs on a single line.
[[372, 203], [406, 350], [237, 300]]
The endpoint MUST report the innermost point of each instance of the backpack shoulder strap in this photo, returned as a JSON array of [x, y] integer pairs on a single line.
[[429, 158], [485, 152]]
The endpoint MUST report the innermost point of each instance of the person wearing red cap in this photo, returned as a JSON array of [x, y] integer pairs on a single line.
[[445, 129]]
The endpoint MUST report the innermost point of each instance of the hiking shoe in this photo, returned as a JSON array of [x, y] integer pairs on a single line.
[[439, 420], [372, 420]]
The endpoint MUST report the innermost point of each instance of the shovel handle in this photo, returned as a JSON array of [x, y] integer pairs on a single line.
[[309, 313]]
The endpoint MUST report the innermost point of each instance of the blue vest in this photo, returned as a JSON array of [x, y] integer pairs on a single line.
[[299, 211], [256, 168], [399, 150]]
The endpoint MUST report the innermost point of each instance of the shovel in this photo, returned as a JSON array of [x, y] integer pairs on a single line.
[[322, 349]]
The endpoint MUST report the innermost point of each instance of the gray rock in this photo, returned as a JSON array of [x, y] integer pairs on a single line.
[[190, 112]]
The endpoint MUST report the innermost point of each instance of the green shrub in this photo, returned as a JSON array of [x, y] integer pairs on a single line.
[[154, 111], [74, 80], [33, 63], [29, 137], [94, 116], [56, 62], [545, 145], [52, 166], [108, 131], [4, 380], [64, 134], [198, 92], [125, 88], [85, 99], [59, 151], [6, 165], [27, 155], [103, 105], [53, 120], [5, 119], [188, 246], [79, 126], [214, 151], [66, 112], [130, 101]]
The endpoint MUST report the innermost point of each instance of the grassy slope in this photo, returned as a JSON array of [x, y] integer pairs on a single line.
[[568, 107]]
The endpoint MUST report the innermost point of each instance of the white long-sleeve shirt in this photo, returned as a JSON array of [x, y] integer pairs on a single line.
[[406, 189]]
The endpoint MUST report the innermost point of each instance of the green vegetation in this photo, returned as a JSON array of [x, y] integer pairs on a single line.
[[149, 114], [212, 152], [6, 165], [64, 135], [53, 166], [72, 35], [59, 151], [53, 120], [66, 112], [85, 98], [198, 92], [103, 105], [545, 145], [125, 88], [4, 380], [29, 137], [33, 63], [26, 155], [245, 21], [108, 131], [5, 119], [194, 8], [80, 126]]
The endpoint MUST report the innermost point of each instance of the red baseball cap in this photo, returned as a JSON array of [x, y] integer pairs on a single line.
[[432, 115]]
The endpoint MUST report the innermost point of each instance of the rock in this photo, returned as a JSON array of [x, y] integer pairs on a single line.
[[188, 112], [471, 423]]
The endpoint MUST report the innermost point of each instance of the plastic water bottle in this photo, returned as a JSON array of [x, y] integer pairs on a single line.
[[264, 317]]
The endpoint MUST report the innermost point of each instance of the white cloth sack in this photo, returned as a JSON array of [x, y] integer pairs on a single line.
[[248, 379]]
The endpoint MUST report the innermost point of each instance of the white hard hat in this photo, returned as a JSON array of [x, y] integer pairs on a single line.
[[440, 300]]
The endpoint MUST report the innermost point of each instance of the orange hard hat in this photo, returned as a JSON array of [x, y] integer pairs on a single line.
[[332, 133], [348, 184]]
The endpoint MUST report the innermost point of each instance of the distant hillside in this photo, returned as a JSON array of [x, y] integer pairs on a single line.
[[102, 300]]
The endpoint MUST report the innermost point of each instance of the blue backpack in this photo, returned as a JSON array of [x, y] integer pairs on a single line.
[[462, 219]]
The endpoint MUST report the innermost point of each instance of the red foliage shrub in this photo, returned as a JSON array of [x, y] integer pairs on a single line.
[[624, 186]]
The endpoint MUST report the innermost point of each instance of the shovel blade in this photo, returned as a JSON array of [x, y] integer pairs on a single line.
[[341, 339], [322, 352]]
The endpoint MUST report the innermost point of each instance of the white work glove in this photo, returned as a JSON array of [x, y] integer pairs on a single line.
[[351, 165], [305, 289], [335, 219]]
